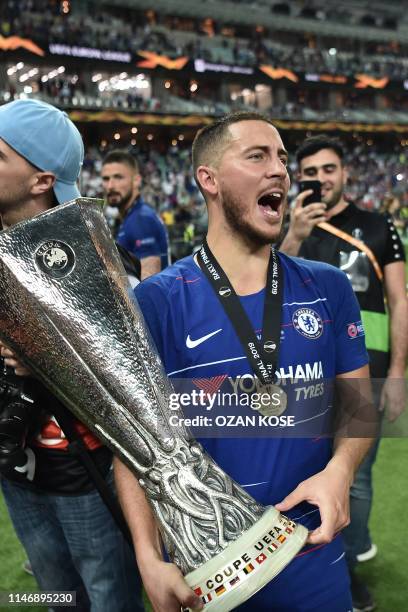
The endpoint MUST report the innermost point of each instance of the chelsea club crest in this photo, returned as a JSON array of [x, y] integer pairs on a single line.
[[308, 323]]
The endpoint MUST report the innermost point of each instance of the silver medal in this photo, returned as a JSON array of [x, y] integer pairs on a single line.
[[273, 400]]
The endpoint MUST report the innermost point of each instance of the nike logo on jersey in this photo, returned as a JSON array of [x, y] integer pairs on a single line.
[[193, 343]]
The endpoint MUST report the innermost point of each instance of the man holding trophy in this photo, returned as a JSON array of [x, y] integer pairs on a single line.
[[238, 311], [240, 167], [69, 534]]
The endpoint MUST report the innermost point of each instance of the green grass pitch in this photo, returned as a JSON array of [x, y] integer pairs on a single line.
[[386, 574]]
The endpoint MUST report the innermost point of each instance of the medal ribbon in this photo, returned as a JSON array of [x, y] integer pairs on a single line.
[[262, 354]]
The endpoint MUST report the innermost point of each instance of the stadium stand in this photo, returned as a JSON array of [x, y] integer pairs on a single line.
[[145, 79]]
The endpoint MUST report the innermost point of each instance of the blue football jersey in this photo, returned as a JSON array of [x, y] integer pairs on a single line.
[[143, 233], [321, 336]]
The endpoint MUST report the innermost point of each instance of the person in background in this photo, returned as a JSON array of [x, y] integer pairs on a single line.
[[140, 231], [70, 536], [366, 245]]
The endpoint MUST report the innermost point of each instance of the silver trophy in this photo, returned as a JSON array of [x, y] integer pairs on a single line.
[[67, 310]]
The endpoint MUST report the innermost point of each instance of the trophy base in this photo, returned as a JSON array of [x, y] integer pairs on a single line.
[[249, 563]]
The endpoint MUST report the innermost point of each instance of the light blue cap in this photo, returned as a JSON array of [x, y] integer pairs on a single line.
[[47, 138]]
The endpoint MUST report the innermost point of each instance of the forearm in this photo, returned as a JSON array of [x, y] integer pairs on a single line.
[[399, 337], [163, 582], [290, 244], [150, 265], [138, 514], [348, 454], [357, 420]]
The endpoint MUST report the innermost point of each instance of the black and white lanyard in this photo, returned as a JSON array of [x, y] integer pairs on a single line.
[[263, 355]]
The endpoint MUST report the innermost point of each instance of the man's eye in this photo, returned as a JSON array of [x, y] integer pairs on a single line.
[[284, 161], [256, 156]]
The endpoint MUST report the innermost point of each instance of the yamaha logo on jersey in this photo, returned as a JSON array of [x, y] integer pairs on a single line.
[[55, 258], [308, 323]]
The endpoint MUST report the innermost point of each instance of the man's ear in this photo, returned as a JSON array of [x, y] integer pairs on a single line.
[[345, 174], [207, 179], [42, 182], [137, 181]]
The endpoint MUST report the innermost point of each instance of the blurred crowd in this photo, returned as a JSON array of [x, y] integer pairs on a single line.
[[377, 182], [43, 21], [375, 177]]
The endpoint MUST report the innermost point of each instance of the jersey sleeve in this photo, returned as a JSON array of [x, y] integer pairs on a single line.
[[154, 240], [394, 249], [351, 352], [154, 308]]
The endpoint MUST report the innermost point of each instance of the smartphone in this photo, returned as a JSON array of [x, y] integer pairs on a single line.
[[314, 197]]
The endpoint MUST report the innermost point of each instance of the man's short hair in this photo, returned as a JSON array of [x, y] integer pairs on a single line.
[[211, 140], [314, 144], [118, 156]]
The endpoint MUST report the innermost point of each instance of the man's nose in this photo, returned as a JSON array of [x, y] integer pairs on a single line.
[[321, 175], [277, 168]]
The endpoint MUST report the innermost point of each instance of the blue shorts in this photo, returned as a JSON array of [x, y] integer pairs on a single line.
[[317, 580]]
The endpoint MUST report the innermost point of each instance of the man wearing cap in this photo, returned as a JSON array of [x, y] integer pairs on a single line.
[[71, 539]]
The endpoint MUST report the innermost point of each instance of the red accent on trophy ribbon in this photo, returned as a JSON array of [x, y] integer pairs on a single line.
[[261, 558]]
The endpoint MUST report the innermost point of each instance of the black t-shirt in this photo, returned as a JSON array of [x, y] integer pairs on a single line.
[[380, 235], [377, 232], [62, 473], [34, 451]]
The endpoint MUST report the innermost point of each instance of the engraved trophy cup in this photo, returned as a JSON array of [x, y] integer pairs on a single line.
[[67, 310]]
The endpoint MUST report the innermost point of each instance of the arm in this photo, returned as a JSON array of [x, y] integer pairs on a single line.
[[169, 591], [329, 489], [150, 265], [394, 393], [151, 256], [302, 222], [173, 590]]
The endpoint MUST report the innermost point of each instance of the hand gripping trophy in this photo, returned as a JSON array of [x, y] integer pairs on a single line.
[[66, 309]]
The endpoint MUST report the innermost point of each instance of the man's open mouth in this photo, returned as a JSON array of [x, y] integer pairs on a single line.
[[270, 203]]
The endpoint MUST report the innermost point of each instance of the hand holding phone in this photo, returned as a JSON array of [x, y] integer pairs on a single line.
[[314, 197]]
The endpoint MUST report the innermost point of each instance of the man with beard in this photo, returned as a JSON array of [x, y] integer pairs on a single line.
[[240, 165], [141, 231], [367, 247], [70, 536]]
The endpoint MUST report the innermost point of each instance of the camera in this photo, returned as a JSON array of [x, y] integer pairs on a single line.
[[17, 417]]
